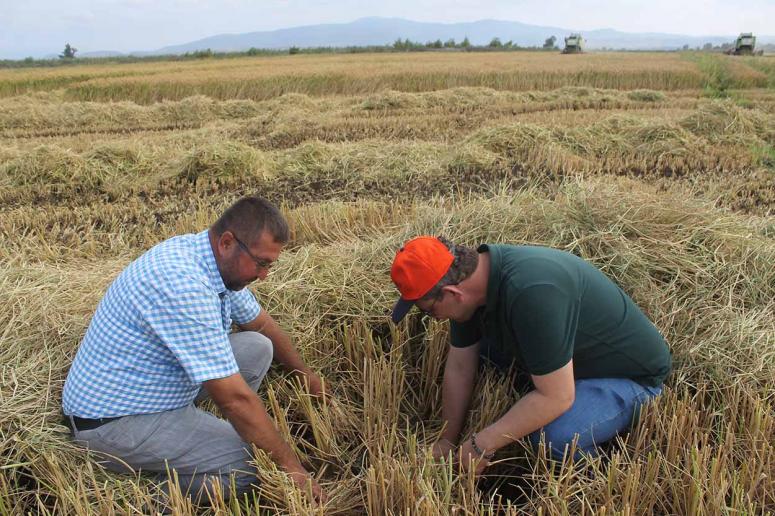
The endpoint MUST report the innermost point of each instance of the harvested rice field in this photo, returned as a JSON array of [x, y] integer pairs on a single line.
[[650, 166]]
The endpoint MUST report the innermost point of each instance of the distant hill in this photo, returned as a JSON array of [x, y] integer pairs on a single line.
[[383, 31]]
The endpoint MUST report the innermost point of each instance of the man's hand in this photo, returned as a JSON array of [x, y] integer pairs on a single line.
[[467, 458], [442, 448], [315, 384], [307, 484], [311, 382]]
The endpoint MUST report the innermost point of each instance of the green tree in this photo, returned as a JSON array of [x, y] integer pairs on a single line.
[[550, 41], [450, 43], [68, 52], [437, 44], [465, 43], [202, 54], [495, 43], [293, 50], [406, 44]]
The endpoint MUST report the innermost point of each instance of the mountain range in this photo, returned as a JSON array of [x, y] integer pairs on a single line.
[[384, 31]]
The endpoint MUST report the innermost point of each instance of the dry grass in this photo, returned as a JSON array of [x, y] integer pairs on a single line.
[[261, 78], [669, 193], [300, 149], [705, 279]]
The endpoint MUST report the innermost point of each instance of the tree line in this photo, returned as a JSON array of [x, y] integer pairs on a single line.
[[465, 44], [68, 55]]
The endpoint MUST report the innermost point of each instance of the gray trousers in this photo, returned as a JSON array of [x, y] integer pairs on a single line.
[[197, 445]]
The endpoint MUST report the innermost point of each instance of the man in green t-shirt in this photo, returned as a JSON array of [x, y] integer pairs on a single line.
[[591, 354]]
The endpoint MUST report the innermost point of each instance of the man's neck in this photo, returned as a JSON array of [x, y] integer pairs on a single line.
[[479, 279], [213, 238]]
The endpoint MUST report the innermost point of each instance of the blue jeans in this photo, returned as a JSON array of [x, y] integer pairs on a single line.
[[604, 408]]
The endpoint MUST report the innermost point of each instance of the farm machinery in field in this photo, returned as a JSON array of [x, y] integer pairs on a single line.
[[745, 45], [574, 44]]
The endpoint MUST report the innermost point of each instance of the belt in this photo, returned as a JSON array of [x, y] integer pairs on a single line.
[[80, 424]]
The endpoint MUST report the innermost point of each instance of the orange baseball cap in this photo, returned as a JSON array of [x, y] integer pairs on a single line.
[[416, 269]]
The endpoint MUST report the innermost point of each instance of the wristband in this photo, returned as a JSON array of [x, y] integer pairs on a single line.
[[479, 451]]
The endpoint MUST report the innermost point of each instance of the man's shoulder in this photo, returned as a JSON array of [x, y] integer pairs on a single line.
[[523, 267], [171, 264], [535, 258], [531, 252], [179, 250]]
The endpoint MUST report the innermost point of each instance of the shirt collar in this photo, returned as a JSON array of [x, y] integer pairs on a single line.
[[205, 250], [493, 279]]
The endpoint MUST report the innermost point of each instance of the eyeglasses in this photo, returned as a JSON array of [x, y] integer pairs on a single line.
[[429, 310], [260, 262]]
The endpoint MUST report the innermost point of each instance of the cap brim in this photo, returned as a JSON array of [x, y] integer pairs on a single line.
[[400, 309]]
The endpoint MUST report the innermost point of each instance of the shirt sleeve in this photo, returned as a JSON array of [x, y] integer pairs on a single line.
[[244, 307], [187, 319], [464, 334], [544, 319]]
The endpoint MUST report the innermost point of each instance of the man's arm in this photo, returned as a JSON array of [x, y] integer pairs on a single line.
[[457, 385], [244, 409], [553, 395], [284, 351]]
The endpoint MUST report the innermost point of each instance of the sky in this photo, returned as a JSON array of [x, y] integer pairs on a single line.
[[41, 27]]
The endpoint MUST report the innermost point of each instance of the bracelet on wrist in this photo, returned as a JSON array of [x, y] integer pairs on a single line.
[[480, 451]]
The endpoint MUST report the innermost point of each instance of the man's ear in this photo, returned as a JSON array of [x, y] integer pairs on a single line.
[[453, 290], [226, 241]]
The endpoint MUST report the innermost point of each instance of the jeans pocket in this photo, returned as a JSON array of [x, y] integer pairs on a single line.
[[126, 434]]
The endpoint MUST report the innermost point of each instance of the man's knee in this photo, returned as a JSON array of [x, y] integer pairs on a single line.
[[235, 483], [558, 440], [202, 487], [243, 483], [253, 352]]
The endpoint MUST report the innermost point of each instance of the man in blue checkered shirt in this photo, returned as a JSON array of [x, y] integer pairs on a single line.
[[159, 341]]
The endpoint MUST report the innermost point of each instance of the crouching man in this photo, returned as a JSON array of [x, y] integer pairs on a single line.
[[159, 341], [591, 354]]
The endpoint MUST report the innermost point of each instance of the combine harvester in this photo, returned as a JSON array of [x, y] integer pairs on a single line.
[[574, 44], [744, 45]]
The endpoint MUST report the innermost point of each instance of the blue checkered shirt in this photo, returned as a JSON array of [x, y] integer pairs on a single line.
[[159, 332]]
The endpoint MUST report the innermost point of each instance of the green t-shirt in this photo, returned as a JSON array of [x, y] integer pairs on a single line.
[[545, 306]]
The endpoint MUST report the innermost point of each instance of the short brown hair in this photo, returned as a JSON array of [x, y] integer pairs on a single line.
[[249, 217], [466, 260]]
